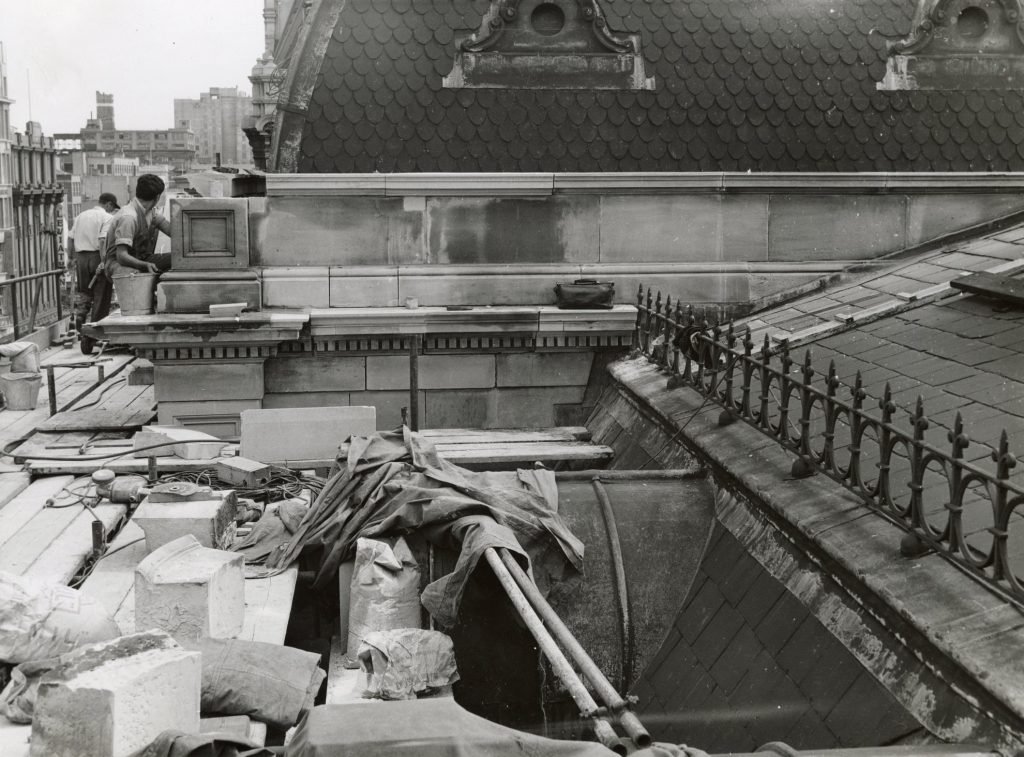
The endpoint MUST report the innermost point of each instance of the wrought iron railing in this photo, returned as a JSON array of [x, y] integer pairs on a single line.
[[954, 505]]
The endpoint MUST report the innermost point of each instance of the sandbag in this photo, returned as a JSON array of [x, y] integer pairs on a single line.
[[40, 620], [384, 590], [405, 662], [268, 682]]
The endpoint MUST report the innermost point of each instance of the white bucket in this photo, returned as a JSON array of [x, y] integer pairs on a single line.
[[135, 292], [21, 390]]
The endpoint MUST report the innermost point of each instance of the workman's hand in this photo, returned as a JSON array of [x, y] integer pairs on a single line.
[[151, 268]]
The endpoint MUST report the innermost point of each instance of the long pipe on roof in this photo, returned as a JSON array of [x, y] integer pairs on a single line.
[[614, 701], [561, 666]]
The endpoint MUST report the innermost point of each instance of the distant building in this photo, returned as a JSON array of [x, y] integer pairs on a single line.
[[267, 78], [38, 230], [175, 146], [216, 119], [6, 179]]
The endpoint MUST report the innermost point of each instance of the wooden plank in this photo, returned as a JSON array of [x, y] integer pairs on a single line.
[[996, 286], [12, 484], [26, 505], [342, 683], [479, 436], [525, 453], [268, 605], [66, 555], [112, 580], [98, 420]]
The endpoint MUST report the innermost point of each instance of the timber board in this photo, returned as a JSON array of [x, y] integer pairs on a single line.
[[105, 419]]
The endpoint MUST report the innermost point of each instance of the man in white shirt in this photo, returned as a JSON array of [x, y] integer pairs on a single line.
[[87, 252]]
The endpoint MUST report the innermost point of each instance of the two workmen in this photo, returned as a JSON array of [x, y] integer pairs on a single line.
[[129, 245]]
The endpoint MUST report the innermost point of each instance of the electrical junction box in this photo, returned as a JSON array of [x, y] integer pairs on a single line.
[[244, 473]]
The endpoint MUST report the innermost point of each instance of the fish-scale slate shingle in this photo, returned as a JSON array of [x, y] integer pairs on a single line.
[[761, 85]]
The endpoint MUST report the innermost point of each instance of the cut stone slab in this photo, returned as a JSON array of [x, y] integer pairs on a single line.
[[175, 510], [113, 698], [191, 591], [188, 444], [198, 296], [306, 433], [141, 373]]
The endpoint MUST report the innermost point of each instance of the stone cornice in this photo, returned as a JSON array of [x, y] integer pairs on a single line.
[[166, 331], [542, 184]]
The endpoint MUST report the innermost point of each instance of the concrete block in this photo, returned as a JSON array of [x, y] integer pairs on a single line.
[[296, 287], [208, 380], [388, 406], [505, 286], [198, 296], [544, 368], [932, 215], [310, 433], [326, 231], [435, 372], [185, 444], [220, 418], [190, 591], [175, 510], [533, 407], [307, 399], [113, 698], [314, 373]]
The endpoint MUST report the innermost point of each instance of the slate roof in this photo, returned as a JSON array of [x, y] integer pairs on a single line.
[[762, 85]]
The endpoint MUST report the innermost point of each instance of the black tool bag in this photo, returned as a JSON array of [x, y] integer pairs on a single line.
[[585, 294]]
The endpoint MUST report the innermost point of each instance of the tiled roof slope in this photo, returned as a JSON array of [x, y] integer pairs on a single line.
[[762, 85], [959, 352]]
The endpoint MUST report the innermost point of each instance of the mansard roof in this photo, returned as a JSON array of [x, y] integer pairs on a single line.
[[760, 85]]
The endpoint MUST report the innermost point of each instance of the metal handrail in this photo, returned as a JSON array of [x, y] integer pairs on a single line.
[[784, 403], [38, 277]]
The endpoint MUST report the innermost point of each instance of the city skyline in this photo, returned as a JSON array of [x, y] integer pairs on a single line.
[[66, 52]]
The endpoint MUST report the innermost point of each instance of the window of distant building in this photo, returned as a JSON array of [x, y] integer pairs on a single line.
[[548, 44]]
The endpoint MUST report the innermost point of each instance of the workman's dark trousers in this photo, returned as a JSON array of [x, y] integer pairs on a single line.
[[103, 291], [86, 263]]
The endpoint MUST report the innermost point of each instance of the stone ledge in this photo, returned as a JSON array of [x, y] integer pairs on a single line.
[[987, 661]]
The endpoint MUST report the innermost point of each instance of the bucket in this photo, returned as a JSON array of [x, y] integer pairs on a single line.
[[21, 390], [135, 292], [24, 356]]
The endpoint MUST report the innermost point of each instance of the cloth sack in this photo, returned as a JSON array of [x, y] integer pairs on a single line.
[[385, 590], [405, 662]]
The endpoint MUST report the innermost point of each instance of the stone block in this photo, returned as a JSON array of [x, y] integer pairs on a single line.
[[473, 408], [307, 399], [835, 227], [181, 509], [190, 591], [113, 698], [209, 233], [435, 372], [309, 433], [297, 287], [363, 287], [184, 443], [326, 231], [933, 215], [141, 373], [683, 228], [315, 373], [544, 368], [220, 418], [388, 406], [198, 296], [208, 380], [533, 407]]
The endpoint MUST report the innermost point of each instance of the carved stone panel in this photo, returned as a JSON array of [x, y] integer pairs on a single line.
[[209, 233]]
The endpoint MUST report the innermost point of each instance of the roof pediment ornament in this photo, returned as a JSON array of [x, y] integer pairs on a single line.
[[959, 45], [506, 12], [548, 44]]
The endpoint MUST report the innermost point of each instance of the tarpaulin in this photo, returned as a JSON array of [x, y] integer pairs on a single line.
[[395, 483], [435, 728]]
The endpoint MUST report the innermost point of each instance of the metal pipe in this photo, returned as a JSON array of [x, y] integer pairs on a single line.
[[590, 670], [621, 587], [577, 690], [415, 343], [675, 474]]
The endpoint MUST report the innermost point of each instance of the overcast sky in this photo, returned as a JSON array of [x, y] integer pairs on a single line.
[[145, 52]]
